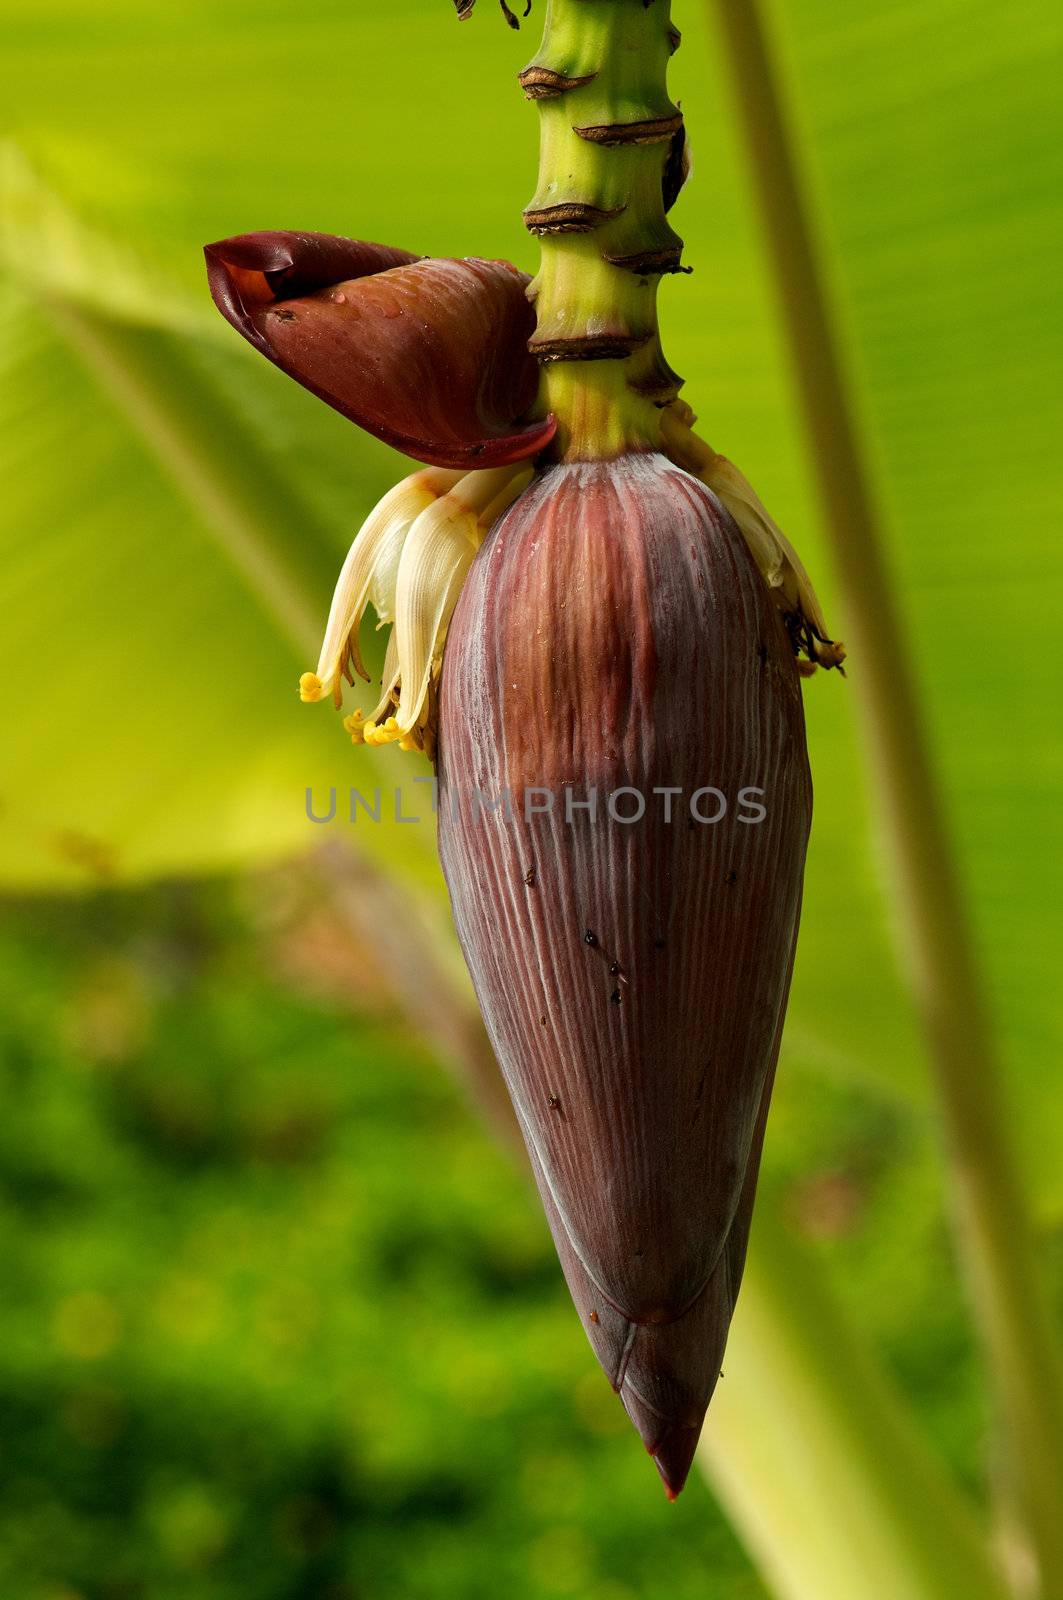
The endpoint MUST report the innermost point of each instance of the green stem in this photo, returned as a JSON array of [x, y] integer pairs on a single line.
[[992, 1229], [608, 130], [812, 1453]]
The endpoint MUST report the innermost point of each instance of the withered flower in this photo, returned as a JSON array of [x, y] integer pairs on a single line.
[[624, 794]]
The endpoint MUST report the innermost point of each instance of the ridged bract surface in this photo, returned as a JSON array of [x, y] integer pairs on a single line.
[[614, 634]]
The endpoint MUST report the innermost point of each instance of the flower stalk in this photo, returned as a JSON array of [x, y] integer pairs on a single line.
[[611, 160], [613, 157]]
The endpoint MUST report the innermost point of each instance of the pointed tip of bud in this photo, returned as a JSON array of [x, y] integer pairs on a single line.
[[674, 1457], [671, 1444]]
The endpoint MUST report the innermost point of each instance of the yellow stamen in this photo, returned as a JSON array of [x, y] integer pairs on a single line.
[[311, 688]]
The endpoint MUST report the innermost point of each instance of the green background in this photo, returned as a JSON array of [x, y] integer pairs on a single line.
[[277, 1320]]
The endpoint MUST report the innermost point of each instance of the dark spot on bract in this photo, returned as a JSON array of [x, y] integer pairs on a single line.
[[529, 876], [615, 997], [591, 939], [732, 877], [594, 1318]]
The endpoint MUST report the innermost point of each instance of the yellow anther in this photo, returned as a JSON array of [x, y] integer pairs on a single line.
[[382, 732], [408, 742], [310, 687]]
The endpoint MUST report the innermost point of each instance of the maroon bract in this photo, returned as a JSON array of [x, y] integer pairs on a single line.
[[430, 355], [631, 955]]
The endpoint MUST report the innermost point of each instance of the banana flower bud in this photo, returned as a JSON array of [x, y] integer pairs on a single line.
[[629, 912], [624, 793]]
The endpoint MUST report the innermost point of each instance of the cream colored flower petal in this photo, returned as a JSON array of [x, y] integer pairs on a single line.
[[776, 558], [369, 572], [502, 501], [380, 727], [480, 491], [386, 566], [436, 558], [775, 555], [389, 679], [435, 562]]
